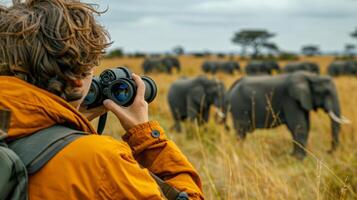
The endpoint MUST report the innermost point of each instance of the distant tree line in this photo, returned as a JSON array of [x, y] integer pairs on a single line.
[[258, 39], [255, 40]]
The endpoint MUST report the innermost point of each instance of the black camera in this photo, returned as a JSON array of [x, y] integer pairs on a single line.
[[117, 84]]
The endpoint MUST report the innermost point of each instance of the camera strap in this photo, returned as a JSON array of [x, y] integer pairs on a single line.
[[101, 123]]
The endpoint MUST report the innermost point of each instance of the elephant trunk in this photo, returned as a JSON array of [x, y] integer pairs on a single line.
[[333, 109]]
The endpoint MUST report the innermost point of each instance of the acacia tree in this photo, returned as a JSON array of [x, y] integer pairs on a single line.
[[354, 34], [310, 50], [349, 49], [271, 47], [178, 50], [253, 38]]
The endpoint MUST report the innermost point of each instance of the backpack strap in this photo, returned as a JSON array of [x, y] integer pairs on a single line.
[[5, 117], [168, 191], [37, 149], [13, 178]]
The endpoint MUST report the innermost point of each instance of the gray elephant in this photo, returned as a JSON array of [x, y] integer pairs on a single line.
[[192, 97], [207, 66], [302, 66], [338, 68], [165, 64], [213, 67], [230, 67], [267, 102], [261, 67], [172, 62]]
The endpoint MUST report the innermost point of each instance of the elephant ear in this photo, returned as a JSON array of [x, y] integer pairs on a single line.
[[299, 89]]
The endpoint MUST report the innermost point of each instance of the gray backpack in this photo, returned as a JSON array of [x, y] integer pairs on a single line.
[[27, 155]]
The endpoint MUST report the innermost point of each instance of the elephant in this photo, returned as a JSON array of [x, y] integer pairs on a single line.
[[259, 67], [213, 67], [173, 62], [257, 102], [192, 97], [338, 68], [302, 66], [165, 64], [230, 67]]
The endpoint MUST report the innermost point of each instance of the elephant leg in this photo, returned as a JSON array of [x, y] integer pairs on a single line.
[[297, 121], [177, 126], [178, 116], [241, 130], [169, 70], [205, 115], [193, 113]]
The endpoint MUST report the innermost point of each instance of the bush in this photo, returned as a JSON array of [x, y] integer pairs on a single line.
[[343, 57], [115, 53], [198, 54], [288, 56], [136, 55], [221, 55]]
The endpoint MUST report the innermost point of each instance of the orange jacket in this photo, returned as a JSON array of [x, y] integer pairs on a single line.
[[94, 166]]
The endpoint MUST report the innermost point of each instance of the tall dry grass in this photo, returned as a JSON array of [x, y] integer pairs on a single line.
[[260, 167]]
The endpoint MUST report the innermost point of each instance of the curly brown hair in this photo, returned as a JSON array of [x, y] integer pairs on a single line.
[[51, 43]]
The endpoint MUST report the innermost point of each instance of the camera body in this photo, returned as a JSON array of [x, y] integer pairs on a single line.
[[117, 84]]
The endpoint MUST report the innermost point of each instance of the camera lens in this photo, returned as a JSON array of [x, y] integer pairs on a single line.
[[122, 92], [150, 89], [95, 93]]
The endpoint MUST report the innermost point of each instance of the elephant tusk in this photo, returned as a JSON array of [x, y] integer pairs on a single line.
[[342, 120], [220, 113], [346, 120]]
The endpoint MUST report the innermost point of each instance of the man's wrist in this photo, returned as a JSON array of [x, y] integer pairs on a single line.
[[143, 135]]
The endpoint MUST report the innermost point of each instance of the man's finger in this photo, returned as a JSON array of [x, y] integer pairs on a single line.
[[116, 109], [140, 91]]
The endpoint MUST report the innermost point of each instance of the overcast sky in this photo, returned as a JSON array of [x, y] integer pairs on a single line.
[[158, 25]]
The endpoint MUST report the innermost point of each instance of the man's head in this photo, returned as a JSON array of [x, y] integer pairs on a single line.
[[53, 44]]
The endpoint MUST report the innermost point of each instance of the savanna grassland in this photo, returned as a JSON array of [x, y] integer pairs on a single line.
[[260, 167]]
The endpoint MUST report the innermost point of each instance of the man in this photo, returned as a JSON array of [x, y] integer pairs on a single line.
[[48, 51]]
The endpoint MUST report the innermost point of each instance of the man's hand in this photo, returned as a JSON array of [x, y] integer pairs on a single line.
[[136, 113]]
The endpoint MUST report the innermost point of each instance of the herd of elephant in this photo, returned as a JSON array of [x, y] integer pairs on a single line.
[[167, 64], [256, 102]]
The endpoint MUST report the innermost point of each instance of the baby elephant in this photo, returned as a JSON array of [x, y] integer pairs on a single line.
[[192, 98], [267, 102]]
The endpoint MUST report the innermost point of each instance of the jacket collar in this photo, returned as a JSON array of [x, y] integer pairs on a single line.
[[33, 109]]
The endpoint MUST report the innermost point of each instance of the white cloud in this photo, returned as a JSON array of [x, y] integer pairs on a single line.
[[209, 24], [242, 6]]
